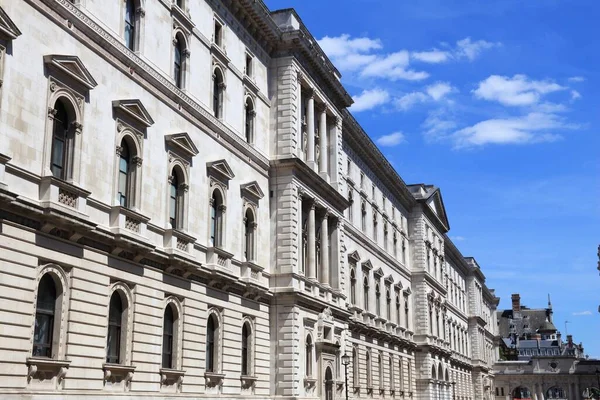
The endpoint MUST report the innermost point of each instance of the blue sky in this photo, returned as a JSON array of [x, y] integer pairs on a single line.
[[494, 102]]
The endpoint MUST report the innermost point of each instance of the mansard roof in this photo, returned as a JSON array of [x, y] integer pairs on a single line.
[[8, 28], [134, 108], [73, 67], [183, 142]]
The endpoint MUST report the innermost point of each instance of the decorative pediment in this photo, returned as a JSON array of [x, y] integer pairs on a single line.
[[354, 257], [367, 265], [71, 66], [221, 168], [183, 143], [407, 291], [389, 279], [8, 29], [398, 286], [252, 190], [135, 109], [436, 204], [378, 273]]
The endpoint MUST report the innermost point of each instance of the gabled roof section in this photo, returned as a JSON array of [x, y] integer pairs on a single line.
[[8, 28], [134, 108], [183, 143], [432, 197], [220, 167], [252, 190], [73, 67]]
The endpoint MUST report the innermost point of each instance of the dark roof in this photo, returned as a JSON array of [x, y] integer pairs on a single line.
[[529, 322]]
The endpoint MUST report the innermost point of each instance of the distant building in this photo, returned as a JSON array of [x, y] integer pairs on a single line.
[[534, 361]]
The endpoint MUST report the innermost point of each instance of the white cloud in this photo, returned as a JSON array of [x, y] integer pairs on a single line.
[[435, 92], [575, 95], [393, 66], [466, 48], [439, 90], [577, 79], [516, 91], [458, 238], [393, 139], [534, 127], [434, 56], [587, 312], [369, 99], [410, 99]]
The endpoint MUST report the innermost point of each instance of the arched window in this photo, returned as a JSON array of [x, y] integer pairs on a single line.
[[366, 293], [363, 216], [45, 318], [369, 376], [212, 337], [353, 286], [433, 373], [400, 374], [521, 393], [168, 336], [377, 300], [62, 142], [409, 372], [218, 93], [249, 235], [246, 349], [375, 228], [176, 198], [115, 333], [406, 315], [130, 24], [125, 188], [309, 356], [350, 205], [250, 115], [385, 236], [555, 393], [216, 219], [395, 245], [388, 304], [355, 368], [398, 318], [179, 60]]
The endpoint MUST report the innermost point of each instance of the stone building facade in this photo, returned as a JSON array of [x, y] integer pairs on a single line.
[[188, 209]]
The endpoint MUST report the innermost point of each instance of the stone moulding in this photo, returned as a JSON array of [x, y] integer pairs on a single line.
[[248, 381], [213, 379], [118, 373], [42, 368]]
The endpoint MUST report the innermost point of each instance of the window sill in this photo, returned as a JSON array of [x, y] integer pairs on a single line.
[[42, 369], [170, 376], [213, 379], [220, 53], [310, 382], [251, 84], [248, 381], [115, 371]]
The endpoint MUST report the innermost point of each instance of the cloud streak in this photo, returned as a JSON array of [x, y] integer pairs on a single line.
[[369, 99], [393, 139]]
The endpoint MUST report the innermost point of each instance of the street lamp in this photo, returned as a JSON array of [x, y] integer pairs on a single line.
[[453, 390], [345, 362]]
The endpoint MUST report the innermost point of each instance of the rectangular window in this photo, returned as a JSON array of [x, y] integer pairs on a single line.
[[218, 34], [248, 65]]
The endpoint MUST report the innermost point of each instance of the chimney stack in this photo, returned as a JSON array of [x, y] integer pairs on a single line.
[[516, 303]]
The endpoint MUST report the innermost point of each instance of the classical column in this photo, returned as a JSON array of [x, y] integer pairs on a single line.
[[325, 249], [310, 129], [300, 233], [324, 143], [310, 267]]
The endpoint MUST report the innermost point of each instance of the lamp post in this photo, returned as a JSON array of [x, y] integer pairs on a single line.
[[345, 362], [453, 390]]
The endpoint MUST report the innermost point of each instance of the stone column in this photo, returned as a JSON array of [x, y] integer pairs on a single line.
[[310, 129], [324, 143], [325, 250], [310, 266], [300, 239]]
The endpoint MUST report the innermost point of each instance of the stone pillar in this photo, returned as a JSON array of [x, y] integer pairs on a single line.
[[310, 130], [300, 238], [335, 153], [324, 143], [325, 250], [310, 265]]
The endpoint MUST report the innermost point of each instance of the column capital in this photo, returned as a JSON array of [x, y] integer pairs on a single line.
[[310, 93], [322, 108]]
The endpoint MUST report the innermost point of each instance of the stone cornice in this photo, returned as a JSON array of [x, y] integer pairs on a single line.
[[355, 136], [312, 180], [114, 52]]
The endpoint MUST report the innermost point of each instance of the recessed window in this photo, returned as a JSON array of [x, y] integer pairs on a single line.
[[216, 219], [130, 24], [179, 60], [212, 337], [248, 70], [246, 349], [114, 337], [249, 233], [218, 34], [62, 142], [249, 119], [218, 93], [45, 317], [168, 336], [309, 356]]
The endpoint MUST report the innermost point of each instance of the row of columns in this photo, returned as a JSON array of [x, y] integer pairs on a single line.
[[311, 249], [322, 164]]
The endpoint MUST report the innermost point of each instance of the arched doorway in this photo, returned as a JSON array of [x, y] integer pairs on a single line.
[[555, 392], [328, 384], [521, 393]]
